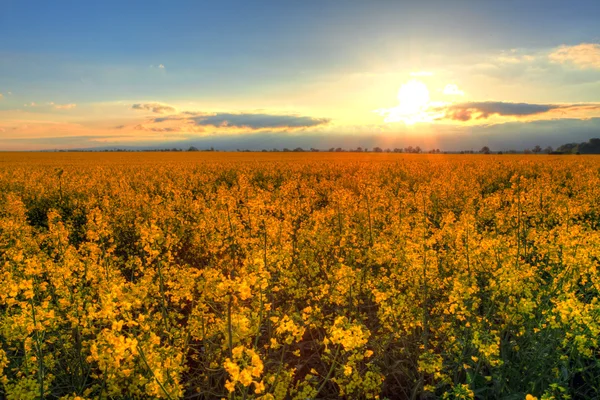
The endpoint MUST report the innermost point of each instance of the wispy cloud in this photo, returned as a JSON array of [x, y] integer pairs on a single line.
[[65, 106], [161, 66], [452, 89], [156, 129], [154, 107], [584, 55]]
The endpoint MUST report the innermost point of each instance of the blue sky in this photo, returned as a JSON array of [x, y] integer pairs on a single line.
[[75, 69]]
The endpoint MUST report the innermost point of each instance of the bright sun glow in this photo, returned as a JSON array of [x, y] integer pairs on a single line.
[[414, 105], [413, 96]]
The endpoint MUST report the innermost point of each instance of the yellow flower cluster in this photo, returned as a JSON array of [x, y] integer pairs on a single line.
[[244, 368], [350, 336]]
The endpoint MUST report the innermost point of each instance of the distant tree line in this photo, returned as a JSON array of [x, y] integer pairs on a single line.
[[590, 147]]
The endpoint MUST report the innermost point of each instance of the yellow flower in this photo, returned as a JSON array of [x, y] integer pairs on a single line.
[[230, 386], [245, 377], [259, 387], [347, 370]]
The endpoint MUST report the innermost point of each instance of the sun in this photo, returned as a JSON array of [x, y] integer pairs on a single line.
[[413, 106], [413, 96]]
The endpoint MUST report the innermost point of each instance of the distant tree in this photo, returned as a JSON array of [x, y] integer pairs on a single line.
[[485, 150], [527, 151], [548, 150], [314, 150], [500, 153], [590, 147], [286, 149], [377, 150], [339, 150], [388, 150], [331, 150], [192, 148], [537, 149], [568, 148], [298, 149], [409, 149], [359, 150], [417, 150], [398, 150]]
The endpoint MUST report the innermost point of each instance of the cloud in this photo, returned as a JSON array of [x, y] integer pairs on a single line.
[[154, 129], [258, 121], [154, 107], [1, 96], [452, 90], [251, 121], [160, 66], [484, 110], [584, 55], [65, 106]]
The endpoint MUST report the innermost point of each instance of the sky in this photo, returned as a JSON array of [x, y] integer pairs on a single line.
[[314, 73]]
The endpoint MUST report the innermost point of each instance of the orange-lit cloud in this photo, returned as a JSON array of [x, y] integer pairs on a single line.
[[154, 107], [585, 55], [484, 110], [65, 106]]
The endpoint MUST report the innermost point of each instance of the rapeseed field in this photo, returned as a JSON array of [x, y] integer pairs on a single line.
[[299, 276]]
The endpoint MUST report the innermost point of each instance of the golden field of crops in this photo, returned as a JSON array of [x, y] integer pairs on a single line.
[[299, 276]]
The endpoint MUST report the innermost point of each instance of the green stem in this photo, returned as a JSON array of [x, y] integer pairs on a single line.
[[40, 355], [328, 373], [152, 372]]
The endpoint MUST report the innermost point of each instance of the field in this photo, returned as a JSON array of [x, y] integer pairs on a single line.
[[299, 276]]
